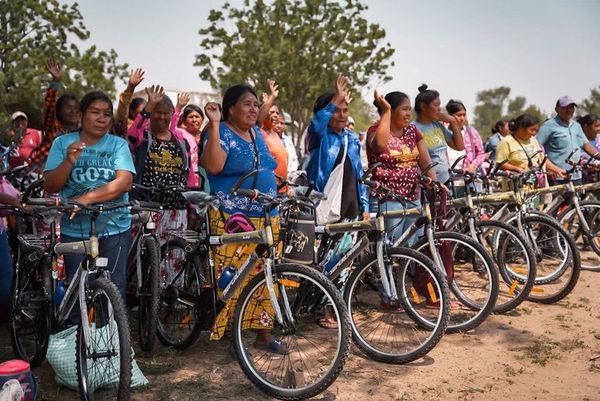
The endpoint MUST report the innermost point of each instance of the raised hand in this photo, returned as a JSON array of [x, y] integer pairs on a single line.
[[155, 94], [74, 151], [212, 112], [446, 118], [341, 86], [381, 102], [135, 78], [183, 98], [54, 69], [273, 92]]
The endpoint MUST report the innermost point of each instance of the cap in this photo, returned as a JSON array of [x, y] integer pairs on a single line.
[[18, 114], [565, 101], [350, 120]]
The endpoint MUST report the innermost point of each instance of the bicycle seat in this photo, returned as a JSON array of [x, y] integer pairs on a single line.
[[201, 199]]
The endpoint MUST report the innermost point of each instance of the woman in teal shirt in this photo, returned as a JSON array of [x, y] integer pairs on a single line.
[[92, 166]]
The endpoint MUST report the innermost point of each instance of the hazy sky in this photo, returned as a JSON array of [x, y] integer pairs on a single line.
[[541, 49]]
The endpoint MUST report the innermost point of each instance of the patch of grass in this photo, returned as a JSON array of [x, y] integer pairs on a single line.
[[584, 300], [156, 368], [404, 397], [573, 344], [560, 318], [193, 389], [525, 310], [540, 352], [510, 371]]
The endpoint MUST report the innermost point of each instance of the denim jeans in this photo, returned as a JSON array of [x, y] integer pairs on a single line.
[[398, 224], [115, 249]]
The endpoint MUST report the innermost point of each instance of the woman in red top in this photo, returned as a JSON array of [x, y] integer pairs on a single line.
[[400, 148]]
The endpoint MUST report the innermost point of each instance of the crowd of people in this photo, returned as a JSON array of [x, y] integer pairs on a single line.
[[91, 154]]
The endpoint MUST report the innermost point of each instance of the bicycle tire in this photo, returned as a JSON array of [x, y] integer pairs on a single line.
[[148, 302], [30, 308], [571, 261], [461, 321], [568, 220], [108, 318], [398, 322], [294, 276], [172, 313], [515, 285]]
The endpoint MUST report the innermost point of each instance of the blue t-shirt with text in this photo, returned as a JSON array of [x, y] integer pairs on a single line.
[[95, 167], [436, 137]]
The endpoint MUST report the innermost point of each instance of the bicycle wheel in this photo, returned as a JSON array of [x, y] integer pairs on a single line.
[[404, 330], [148, 303], [31, 312], [569, 220], [514, 259], [558, 259], [180, 285], [474, 282], [103, 351], [315, 355]]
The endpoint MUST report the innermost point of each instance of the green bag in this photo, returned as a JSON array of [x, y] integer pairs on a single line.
[[62, 357]]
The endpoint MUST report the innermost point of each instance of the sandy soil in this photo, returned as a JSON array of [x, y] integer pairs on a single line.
[[537, 352]]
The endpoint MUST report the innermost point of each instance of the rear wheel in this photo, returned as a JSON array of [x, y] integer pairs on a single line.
[[180, 286], [30, 312], [569, 220], [103, 350], [148, 302]]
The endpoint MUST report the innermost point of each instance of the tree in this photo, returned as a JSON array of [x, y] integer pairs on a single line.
[[591, 105], [495, 104], [364, 113], [32, 31], [303, 45]]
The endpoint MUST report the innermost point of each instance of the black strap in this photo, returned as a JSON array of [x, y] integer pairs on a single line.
[[256, 161], [529, 161]]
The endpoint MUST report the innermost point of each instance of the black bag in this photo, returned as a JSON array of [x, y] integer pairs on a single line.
[[299, 242]]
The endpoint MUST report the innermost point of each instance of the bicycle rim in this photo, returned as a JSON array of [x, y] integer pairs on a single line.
[[104, 360], [315, 355], [406, 329], [588, 244]]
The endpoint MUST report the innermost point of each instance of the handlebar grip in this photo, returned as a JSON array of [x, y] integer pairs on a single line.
[[41, 202], [371, 184], [148, 205], [250, 193]]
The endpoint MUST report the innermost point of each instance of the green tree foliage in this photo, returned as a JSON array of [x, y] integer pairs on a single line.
[[31, 31], [591, 105], [302, 44], [495, 104], [363, 112]]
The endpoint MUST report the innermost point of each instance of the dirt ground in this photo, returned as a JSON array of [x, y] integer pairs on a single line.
[[537, 352]]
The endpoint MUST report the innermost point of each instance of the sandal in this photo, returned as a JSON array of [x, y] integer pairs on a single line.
[[276, 346], [328, 323]]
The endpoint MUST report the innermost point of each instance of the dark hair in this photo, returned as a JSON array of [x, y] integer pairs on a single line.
[[61, 102], [522, 122], [166, 101], [188, 110], [497, 128], [323, 100], [588, 120], [91, 97], [232, 95], [454, 106], [395, 99], [135, 103], [426, 96]]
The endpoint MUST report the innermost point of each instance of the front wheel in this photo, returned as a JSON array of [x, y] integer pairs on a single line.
[[569, 220], [404, 329], [304, 356], [148, 296], [103, 355]]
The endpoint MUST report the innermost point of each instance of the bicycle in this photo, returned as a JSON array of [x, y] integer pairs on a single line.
[[103, 354], [502, 242], [314, 357]]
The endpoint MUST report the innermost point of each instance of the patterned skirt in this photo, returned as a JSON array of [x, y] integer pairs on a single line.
[[261, 313]]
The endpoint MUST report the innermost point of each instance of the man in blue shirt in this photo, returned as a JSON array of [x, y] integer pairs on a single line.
[[562, 138]]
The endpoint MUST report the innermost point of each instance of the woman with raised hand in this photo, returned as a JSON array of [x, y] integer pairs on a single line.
[[128, 109], [92, 166], [187, 120], [398, 145], [162, 159], [327, 135], [430, 122], [232, 147]]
